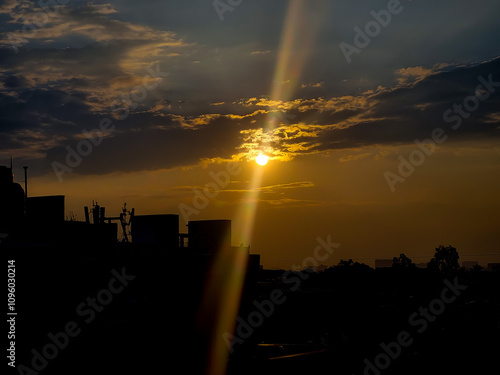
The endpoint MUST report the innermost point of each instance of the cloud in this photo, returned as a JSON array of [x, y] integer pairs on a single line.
[[87, 20], [291, 202], [347, 158], [290, 185], [313, 85], [260, 52], [114, 57], [493, 118], [8, 6], [269, 189], [417, 73]]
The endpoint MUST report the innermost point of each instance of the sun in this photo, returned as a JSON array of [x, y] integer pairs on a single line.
[[261, 159]]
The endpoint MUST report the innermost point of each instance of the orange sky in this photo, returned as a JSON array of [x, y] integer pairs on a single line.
[[321, 195]]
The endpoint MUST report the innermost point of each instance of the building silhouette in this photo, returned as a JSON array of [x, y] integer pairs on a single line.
[[62, 259], [11, 201], [494, 267], [469, 264]]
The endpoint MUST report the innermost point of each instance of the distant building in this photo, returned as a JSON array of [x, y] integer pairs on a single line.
[[494, 267], [469, 264], [383, 263]]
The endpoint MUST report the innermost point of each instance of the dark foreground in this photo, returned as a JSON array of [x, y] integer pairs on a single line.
[[118, 312]]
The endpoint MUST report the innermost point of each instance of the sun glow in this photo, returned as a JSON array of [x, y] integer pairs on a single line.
[[261, 159], [293, 54]]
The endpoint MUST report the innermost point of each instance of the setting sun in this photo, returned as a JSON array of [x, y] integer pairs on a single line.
[[262, 159]]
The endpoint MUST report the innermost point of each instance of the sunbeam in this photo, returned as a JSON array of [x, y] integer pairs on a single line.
[[296, 41]]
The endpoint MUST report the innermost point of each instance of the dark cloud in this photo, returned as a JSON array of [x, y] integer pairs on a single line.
[[146, 140], [151, 149], [70, 73], [408, 113], [13, 82]]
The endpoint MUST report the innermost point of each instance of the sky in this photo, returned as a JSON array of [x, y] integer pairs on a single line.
[[380, 119]]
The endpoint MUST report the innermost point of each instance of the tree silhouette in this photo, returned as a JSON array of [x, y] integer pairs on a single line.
[[445, 260], [345, 263], [350, 265], [403, 262]]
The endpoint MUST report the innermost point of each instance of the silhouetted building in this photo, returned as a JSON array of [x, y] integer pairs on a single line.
[[48, 209], [494, 267], [11, 201], [156, 229], [64, 258], [254, 262], [209, 236], [469, 264], [40, 220]]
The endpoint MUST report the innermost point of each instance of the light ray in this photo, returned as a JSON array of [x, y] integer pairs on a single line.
[[245, 218], [221, 303], [296, 43]]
